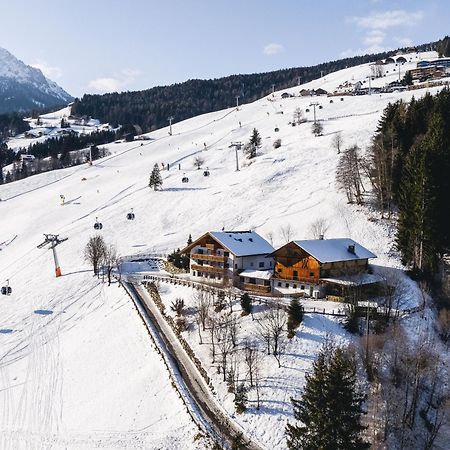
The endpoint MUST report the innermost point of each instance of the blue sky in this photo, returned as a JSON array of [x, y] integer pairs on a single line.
[[109, 45]]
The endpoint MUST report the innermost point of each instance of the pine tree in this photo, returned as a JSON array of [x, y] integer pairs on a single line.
[[155, 178], [295, 314], [189, 241], [330, 409], [240, 398], [246, 304], [253, 144]]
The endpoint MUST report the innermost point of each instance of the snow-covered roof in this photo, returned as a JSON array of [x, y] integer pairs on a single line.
[[334, 250], [355, 280], [243, 243], [260, 274]]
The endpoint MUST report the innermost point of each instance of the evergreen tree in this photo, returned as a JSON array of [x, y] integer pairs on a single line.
[[253, 144], [295, 314], [155, 178], [407, 79], [240, 398], [246, 304], [317, 128], [189, 241], [330, 409]]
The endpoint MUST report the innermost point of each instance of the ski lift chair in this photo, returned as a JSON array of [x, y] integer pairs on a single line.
[[130, 215], [97, 225]]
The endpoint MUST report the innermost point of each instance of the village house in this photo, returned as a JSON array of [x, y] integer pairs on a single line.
[[321, 267], [237, 258]]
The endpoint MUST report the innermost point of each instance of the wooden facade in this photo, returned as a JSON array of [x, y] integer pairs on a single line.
[[294, 263]]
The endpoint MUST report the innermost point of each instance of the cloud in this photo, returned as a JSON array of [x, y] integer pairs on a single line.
[[387, 19], [404, 41], [48, 71], [363, 51], [273, 49], [374, 38], [118, 82]]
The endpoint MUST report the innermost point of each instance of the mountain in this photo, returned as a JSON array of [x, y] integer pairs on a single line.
[[23, 88]]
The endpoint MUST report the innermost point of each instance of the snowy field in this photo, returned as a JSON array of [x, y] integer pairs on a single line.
[[77, 369]]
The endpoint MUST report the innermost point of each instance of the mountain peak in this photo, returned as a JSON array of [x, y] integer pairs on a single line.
[[23, 87]]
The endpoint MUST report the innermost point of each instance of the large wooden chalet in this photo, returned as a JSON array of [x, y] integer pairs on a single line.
[[316, 267], [238, 258]]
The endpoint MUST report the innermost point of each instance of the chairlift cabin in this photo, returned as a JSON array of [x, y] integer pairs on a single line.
[[97, 225], [206, 173], [320, 107], [6, 290], [276, 129], [307, 110], [130, 215], [185, 179], [331, 101]]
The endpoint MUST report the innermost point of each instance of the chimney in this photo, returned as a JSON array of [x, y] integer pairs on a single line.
[[351, 248], [321, 237]]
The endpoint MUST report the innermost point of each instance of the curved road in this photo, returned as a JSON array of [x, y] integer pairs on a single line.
[[223, 428]]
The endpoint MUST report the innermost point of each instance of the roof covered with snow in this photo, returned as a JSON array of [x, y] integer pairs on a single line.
[[243, 243], [334, 250], [260, 274]]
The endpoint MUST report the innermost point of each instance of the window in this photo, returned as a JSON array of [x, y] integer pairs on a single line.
[[279, 284], [252, 280], [295, 273], [311, 274], [226, 253], [193, 273], [302, 287], [270, 263], [242, 279], [266, 282], [261, 264], [279, 270], [294, 286], [251, 264], [286, 285], [200, 251], [235, 266]]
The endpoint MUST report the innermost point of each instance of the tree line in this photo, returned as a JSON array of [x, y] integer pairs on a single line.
[[150, 108]]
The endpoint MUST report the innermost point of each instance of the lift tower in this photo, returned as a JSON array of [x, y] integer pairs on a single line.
[[53, 240]]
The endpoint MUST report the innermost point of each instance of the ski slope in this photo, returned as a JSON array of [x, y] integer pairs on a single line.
[[77, 369]]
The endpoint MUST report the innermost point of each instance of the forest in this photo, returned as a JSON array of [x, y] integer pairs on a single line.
[[151, 108]]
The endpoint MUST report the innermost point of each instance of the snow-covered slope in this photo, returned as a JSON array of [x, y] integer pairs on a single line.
[[23, 87], [76, 367]]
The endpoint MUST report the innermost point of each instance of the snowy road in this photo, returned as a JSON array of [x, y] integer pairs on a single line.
[[189, 377]]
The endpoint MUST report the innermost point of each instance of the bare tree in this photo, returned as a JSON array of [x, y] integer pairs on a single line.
[[110, 260], [286, 232], [377, 70], [212, 323], [94, 251], [298, 116], [234, 329], [202, 301], [444, 325], [177, 306], [271, 328], [348, 174], [251, 358], [317, 128], [270, 237], [198, 162], [318, 228], [224, 342], [337, 142]]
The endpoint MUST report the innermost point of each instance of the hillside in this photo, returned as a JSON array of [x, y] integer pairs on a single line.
[[150, 108], [24, 88], [77, 367]]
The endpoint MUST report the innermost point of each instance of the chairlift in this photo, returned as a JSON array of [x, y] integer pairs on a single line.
[[6, 290], [307, 110], [97, 225], [276, 129], [206, 173], [130, 215], [185, 179], [331, 101], [320, 107]]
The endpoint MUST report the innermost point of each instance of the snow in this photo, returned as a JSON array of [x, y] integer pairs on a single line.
[[333, 250], [260, 274], [243, 243], [77, 368]]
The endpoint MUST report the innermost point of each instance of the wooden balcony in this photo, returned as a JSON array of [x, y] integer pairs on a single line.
[[259, 288], [215, 258], [209, 269]]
